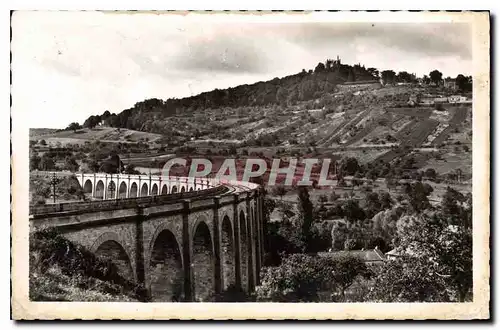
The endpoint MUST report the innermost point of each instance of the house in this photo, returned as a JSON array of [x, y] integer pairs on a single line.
[[457, 99], [398, 253], [369, 257], [392, 255], [440, 100]]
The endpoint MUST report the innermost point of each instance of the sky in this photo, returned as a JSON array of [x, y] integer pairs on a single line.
[[67, 66]]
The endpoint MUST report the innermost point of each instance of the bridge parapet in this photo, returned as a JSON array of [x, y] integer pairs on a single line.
[[112, 204]]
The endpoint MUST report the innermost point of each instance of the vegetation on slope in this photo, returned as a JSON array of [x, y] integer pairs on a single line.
[[64, 271], [67, 189], [303, 86]]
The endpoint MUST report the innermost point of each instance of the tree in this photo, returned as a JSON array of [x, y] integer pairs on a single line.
[[282, 239], [391, 183], [71, 164], [436, 77], [130, 169], [384, 224], [299, 278], [339, 234], [403, 281], [34, 162], [319, 68], [349, 166], [418, 194], [43, 142], [385, 200], [92, 121], [333, 196], [462, 83], [350, 244], [435, 263], [93, 166], [430, 173], [47, 163], [292, 97], [305, 208], [372, 204], [352, 210], [351, 76], [453, 207], [345, 270], [281, 96], [406, 77], [112, 164], [388, 76], [280, 190], [105, 115], [74, 126], [374, 72]]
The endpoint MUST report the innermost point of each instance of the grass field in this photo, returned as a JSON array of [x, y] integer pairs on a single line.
[[104, 134]]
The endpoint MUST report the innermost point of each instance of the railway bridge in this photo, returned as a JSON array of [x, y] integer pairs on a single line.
[[184, 239]]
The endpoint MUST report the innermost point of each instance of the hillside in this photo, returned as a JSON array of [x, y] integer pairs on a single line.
[[102, 134], [150, 115], [334, 111], [63, 271]]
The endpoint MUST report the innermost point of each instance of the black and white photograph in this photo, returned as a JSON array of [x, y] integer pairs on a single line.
[[286, 163]]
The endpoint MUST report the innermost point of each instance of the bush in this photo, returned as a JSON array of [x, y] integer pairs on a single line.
[[233, 294], [50, 252]]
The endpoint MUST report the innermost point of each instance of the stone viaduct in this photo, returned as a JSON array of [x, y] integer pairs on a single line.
[[187, 243]]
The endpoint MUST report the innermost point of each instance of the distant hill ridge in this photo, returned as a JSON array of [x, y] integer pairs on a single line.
[[303, 86]]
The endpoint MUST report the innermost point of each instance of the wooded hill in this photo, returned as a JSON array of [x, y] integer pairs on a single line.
[[302, 86]]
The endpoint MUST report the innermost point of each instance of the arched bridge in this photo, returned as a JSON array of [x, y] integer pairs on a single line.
[[189, 242], [115, 186]]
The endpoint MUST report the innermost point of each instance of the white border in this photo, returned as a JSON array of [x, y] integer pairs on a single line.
[[378, 311]]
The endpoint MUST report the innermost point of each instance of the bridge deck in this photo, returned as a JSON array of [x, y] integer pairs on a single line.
[[128, 202]]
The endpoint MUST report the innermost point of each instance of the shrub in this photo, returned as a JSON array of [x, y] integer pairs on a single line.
[[51, 252]]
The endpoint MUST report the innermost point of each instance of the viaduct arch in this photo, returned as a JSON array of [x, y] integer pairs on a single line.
[[190, 242]]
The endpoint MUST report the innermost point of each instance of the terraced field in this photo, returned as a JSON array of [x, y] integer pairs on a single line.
[[103, 134], [362, 133], [341, 129], [459, 116], [406, 130], [420, 132], [413, 112]]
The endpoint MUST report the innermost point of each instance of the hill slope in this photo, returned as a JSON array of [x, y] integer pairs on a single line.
[[63, 271], [148, 115], [103, 134]]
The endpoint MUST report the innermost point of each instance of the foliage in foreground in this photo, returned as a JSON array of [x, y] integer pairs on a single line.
[[63, 271], [68, 189], [435, 264], [306, 278], [433, 261]]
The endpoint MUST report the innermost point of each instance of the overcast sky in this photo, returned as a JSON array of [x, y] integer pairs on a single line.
[[68, 65]]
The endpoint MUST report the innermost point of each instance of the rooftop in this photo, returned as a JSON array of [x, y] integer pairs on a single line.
[[373, 255]]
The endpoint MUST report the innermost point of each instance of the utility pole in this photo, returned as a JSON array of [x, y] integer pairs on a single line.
[[112, 187], [54, 181]]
